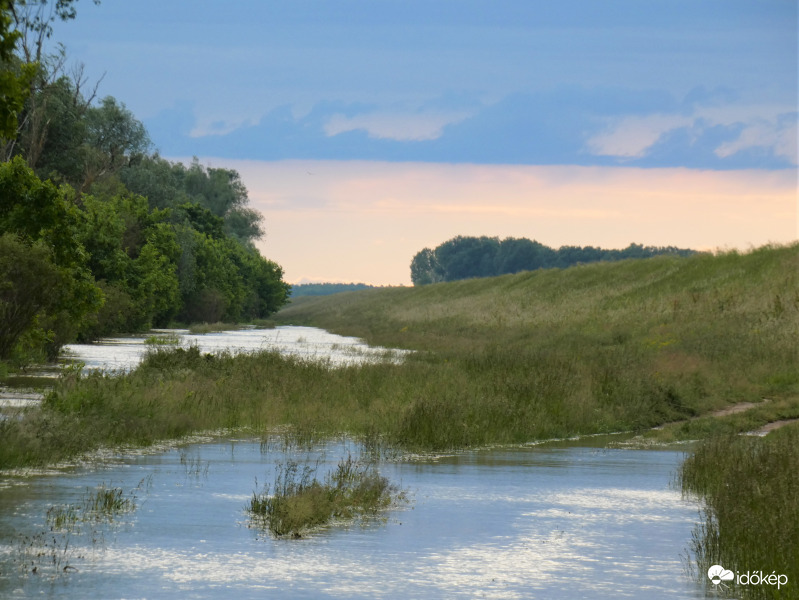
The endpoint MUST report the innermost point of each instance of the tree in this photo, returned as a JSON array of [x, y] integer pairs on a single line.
[[30, 285], [425, 268], [522, 255], [37, 214], [462, 257], [223, 193], [219, 191], [25, 25], [15, 78], [114, 138]]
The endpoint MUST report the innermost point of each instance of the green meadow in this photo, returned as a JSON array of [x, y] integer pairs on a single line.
[[600, 348], [664, 342]]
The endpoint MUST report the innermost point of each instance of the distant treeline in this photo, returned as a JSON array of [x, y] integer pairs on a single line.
[[325, 289], [464, 257]]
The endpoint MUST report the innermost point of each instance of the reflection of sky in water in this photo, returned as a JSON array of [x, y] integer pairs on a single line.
[[305, 342], [124, 353], [545, 523]]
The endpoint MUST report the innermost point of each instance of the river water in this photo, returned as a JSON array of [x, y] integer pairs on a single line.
[[558, 520]]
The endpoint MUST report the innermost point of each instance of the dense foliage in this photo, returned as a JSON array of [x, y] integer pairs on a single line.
[[99, 234], [466, 257]]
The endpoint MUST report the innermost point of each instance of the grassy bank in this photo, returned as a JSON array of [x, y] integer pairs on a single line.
[[591, 349], [599, 347], [750, 488]]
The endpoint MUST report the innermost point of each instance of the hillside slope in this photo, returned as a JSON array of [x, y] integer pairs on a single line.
[[603, 346]]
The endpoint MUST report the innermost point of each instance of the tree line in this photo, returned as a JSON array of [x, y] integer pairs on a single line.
[[98, 233], [464, 257]]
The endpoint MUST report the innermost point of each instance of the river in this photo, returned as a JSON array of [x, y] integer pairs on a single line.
[[556, 520]]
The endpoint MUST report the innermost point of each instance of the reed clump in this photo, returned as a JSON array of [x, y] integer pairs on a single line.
[[298, 502], [103, 504], [201, 328], [750, 489], [162, 340]]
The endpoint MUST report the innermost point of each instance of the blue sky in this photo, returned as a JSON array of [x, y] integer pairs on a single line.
[[324, 95], [697, 83]]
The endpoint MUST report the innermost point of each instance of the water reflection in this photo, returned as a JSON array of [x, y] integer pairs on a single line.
[[521, 523], [124, 353], [121, 354]]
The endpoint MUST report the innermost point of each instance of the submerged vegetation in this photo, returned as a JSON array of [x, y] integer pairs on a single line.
[[298, 501], [73, 530]]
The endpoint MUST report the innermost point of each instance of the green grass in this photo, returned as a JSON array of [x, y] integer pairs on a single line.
[[591, 349], [162, 340], [750, 487], [299, 502]]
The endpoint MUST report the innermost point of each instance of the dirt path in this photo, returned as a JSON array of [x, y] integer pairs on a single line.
[[769, 427], [744, 406], [723, 412], [736, 408]]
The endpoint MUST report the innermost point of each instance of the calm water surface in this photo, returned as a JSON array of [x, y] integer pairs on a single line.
[[534, 522], [124, 353], [522, 523]]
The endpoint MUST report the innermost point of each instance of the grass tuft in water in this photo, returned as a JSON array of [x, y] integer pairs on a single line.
[[202, 328], [170, 339], [299, 502], [73, 529]]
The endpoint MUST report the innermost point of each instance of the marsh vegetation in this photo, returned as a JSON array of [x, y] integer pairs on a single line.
[[623, 346], [298, 501], [750, 490], [75, 529]]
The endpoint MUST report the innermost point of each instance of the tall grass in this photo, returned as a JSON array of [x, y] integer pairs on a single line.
[[750, 487], [590, 349], [298, 501]]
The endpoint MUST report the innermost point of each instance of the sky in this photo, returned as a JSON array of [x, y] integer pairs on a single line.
[[366, 130]]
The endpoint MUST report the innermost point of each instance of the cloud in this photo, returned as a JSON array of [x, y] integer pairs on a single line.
[[569, 125], [394, 126], [631, 137], [218, 127], [748, 135], [779, 137]]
